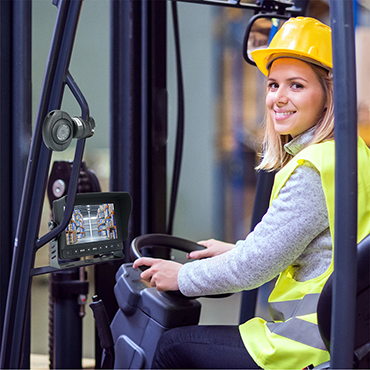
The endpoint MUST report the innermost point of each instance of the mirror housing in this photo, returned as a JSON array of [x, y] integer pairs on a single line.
[[260, 30]]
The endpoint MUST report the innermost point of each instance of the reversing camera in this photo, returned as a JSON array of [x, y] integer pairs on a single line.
[[59, 128]]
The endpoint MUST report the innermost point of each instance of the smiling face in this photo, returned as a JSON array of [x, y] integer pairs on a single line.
[[295, 98]]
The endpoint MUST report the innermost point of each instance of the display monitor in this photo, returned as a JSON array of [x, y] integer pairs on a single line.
[[98, 225]]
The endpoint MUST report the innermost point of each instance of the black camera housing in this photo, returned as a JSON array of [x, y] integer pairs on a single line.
[[59, 128]]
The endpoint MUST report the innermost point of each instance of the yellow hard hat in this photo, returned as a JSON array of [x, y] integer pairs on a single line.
[[302, 38]]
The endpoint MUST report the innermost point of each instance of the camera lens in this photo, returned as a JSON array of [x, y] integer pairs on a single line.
[[63, 132]]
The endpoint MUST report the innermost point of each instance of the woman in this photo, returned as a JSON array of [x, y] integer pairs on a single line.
[[294, 238]]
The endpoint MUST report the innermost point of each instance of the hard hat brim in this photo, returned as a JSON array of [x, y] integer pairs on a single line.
[[264, 57]]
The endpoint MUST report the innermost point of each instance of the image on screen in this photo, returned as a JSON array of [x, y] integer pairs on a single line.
[[91, 223]]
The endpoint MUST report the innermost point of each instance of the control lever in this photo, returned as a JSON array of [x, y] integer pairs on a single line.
[[104, 332]]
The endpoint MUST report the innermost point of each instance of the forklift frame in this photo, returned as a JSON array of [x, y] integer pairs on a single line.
[[26, 236]]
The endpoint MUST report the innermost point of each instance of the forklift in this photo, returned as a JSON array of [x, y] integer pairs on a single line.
[[140, 28]]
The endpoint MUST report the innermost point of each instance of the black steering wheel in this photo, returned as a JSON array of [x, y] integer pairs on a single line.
[[163, 240], [173, 242]]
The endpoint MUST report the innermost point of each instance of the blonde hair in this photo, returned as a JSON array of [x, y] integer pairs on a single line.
[[273, 154]]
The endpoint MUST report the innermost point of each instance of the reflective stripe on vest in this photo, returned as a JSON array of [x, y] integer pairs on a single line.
[[292, 327], [281, 311], [300, 331]]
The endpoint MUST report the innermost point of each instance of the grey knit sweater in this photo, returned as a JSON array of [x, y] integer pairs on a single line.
[[294, 231]]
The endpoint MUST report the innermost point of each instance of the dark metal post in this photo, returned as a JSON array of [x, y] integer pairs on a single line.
[[157, 117], [15, 130], [126, 84], [139, 110], [21, 121], [34, 187], [126, 146], [138, 124], [7, 237], [67, 340], [345, 257], [22, 100]]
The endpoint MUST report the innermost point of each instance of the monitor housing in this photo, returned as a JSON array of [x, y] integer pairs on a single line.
[[97, 228]]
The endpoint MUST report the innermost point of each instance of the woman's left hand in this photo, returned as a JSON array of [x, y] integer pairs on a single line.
[[162, 274]]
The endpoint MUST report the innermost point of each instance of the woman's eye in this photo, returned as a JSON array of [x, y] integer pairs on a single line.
[[273, 85], [297, 85]]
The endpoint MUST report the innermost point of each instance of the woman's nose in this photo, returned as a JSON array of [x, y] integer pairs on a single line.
[[281, 97]]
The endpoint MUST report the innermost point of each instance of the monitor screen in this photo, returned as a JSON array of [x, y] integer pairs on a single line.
[[98, 224], [92, 223]]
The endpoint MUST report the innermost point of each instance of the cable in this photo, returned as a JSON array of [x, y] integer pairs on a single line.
[[180, 123]]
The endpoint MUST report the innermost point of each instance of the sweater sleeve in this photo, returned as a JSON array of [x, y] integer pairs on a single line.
[[296, 217]]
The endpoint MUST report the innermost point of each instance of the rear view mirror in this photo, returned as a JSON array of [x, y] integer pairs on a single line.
[[261, 29]]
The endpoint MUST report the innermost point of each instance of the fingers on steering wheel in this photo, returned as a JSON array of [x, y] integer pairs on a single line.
[[146, 275], [152, 282]]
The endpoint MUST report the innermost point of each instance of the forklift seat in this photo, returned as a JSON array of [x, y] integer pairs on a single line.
[[362, 328]]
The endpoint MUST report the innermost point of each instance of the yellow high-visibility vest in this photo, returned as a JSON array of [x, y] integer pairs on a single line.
[[292, 340]]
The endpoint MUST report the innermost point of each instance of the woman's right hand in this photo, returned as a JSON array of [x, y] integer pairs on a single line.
[[213, 248]]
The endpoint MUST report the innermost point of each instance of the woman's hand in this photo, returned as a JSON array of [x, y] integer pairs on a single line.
[[162, 274], [213, 248]]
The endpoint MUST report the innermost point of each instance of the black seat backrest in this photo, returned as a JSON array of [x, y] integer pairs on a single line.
[[362, 330]]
